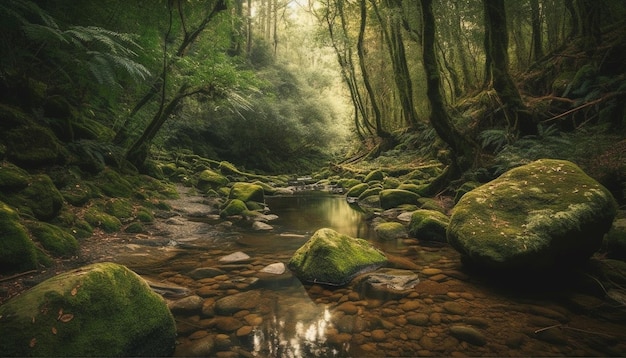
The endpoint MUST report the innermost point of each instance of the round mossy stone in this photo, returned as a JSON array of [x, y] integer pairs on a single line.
[[429, 225], [331, 258], [357, 190], [391, 198], [209, 179], [390, 231], [98, 310], [17, 251], [247, 192], [54, 240], [374, 175], [234, 207], [106, 222], [546, 214]]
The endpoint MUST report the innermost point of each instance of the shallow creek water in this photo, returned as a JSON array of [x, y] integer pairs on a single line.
[[451, 312]]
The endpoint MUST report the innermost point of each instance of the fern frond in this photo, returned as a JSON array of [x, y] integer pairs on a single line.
[[42, 33], [496, 138]]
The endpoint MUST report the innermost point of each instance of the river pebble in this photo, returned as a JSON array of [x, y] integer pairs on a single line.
[[237, 302], [469, 335]]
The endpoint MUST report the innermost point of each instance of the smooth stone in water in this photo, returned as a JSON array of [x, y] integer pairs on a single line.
[[276, 268], [235, 257], [205, 272], [188, 304], [261, 226], [469, 335], [237, 302]]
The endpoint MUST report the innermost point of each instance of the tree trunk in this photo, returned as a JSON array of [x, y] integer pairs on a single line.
[[497, 67], [462, 149], [537, 37], [402, 77], [380, 131]]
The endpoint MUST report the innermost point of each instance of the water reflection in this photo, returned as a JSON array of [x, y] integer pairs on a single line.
[[309, 212]]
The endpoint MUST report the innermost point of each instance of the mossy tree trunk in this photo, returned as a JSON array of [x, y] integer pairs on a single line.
[[497, 68], [462, 149], [380, 131]]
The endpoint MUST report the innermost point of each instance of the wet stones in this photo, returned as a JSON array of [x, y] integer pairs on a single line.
[[469, 335], [237, 302]]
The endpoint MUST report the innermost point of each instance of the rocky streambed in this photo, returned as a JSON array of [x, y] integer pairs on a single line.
[[231, 296]]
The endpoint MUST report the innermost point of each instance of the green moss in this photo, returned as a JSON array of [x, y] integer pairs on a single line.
[[391, 183], [267, 189], [538, 214], [120, 208], [147, 187], [348, 183], [415, 188], [357, 190], [40, 198], [209, 179], [55, 240], [135, 228], [234, 207], [464, 189], [374, 175], [113, 184], [13, 177], [429, 225], [32, 146], [431, 204], [99, 310], [98, 218], [144, 215], [329, 257], [247, 192], [390, 231], [17, 251], [370, 192], [391, 198], [77, 194]]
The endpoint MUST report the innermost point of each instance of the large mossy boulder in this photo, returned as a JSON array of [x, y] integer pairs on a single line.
[[247, 192], [209, 179], [32, 146], [17, 251], [331, 258], [543, 215], [429, 225], [40, 198], [102, 310], [391, 198], [53, 239]]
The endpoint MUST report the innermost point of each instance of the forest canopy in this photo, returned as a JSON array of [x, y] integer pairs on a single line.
[[288, 86]]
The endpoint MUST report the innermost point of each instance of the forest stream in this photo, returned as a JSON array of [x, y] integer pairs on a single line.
[[194, 258]]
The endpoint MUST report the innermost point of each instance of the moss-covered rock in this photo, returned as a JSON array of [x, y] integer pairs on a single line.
[[391, 198], [17, 251], [357, 190], [464, 189], [39, 199], [120, 208], [348, 183], [390, 230], [412, 187], [98, 310], [247, 192], [113, 184], [391, 183], [135, 228], [234, 207], [32, 146], [12, 177], [97, 218], [77, 194], [429, 225], [209, 179], [374, 175], [546, 214], [331, 258], [144, 215], [53, 239], [374, 191]]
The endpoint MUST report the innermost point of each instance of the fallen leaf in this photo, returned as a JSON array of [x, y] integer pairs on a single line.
[[54, 330], [74, 291], [66, 317], [32, 342], [60, 313]]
